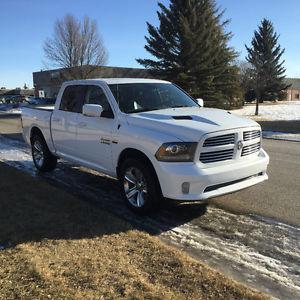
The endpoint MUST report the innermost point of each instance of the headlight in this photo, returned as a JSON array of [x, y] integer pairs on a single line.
[[176, 152]]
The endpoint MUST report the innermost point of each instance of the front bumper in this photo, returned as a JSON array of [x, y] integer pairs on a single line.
[[210, 182]]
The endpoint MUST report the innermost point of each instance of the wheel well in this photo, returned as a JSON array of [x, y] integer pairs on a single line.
[[35, 131], [136, 154]]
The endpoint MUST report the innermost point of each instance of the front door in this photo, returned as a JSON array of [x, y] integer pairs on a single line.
[[94, 134]]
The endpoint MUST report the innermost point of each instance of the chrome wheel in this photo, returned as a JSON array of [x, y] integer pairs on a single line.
[[135, 187], [38, 153]]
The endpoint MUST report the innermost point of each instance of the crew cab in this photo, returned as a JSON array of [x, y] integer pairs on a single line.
[[151, 135]]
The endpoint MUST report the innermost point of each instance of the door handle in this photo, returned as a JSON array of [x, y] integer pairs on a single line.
[[56, 120], [82, 125]]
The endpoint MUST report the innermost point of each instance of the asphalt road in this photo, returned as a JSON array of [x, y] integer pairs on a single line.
[[277, 198]]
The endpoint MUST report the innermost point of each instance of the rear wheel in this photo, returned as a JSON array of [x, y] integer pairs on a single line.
[[140, 187], [43, 160]]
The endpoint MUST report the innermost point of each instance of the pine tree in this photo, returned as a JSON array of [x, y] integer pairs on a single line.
[[268, 71], [190, 48]]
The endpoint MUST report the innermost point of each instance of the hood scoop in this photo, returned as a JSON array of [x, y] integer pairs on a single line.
[[182, 117]]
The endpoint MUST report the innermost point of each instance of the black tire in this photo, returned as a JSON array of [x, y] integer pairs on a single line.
[[43, 159], [152, 197]]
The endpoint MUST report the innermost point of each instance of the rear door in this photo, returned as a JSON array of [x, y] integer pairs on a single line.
[[64, 120], [94, 134]]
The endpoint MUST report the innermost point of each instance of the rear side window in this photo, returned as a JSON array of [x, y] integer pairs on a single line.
[[73, 98]]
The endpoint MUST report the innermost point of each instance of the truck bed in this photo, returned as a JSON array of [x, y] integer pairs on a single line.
[[39, 117]]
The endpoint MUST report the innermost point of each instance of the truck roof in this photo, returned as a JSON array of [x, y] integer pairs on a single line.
[[120, 80]]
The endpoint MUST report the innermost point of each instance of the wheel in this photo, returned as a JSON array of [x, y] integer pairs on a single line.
[[43, 160], [140, 186]]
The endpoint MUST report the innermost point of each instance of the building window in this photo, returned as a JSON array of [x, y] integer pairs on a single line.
[[297, 96]]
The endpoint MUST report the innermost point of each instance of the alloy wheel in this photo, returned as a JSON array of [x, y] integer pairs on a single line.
[[38, 153], [135, 187]]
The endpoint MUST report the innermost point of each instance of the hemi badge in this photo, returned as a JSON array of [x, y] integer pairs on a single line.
[[105, 141]]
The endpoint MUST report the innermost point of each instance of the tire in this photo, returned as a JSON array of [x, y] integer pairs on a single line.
[[43, 159], [140, 186]]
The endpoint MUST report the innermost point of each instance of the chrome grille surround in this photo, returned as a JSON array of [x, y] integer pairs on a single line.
[[214, 156], [251, 135], [223, 147], [220, 140], [250, 149]]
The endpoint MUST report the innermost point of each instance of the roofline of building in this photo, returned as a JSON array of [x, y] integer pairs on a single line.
[[106, 67]]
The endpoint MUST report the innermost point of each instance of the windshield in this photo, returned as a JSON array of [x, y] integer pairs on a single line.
[[139, 97]]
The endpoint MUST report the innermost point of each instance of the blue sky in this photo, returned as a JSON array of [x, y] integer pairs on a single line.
[[25, 24]]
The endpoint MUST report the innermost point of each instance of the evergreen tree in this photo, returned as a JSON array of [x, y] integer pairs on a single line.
[[190, 48], [267, 68]]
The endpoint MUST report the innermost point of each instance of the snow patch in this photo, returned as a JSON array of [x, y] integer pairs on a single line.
[[245, 248], [281, 111], [295, 137]]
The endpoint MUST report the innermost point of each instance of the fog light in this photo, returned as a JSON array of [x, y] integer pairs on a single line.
[[185, 187]]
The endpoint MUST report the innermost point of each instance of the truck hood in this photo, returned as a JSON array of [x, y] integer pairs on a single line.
[[188, 124]]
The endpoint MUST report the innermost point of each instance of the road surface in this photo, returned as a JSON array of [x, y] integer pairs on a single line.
[[277, 198]]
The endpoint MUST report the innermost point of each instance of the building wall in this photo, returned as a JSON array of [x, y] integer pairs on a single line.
[[293, 94], [51, 81]]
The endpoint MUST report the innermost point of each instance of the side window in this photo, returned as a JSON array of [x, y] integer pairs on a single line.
[[73, 98], [95, 95]]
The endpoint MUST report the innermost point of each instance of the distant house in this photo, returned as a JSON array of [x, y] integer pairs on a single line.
[[49, 82], [293, 92]]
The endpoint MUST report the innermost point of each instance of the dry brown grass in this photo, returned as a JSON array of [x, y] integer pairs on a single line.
[[64, 248]]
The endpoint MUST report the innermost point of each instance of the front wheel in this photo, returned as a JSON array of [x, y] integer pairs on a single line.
[[140, 187], [43, 159]]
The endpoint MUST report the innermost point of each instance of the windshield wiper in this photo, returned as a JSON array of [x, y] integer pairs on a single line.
[[178, 106]]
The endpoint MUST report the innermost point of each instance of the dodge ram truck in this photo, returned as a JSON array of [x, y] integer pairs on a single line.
[[151, 135]]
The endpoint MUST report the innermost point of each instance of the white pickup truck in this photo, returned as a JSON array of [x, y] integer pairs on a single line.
[[151, 135]]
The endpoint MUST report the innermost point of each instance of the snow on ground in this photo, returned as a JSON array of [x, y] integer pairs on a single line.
[[11, 111], [281, 136], [288, 110]]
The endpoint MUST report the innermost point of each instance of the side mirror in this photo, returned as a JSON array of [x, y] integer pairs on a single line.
[[200, 102], [92, 110]]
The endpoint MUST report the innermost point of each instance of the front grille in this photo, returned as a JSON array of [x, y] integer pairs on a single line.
[[220, 140], [250, 149], [251, 135], [215, 156]]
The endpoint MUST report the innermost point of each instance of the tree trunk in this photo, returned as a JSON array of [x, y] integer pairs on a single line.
[[257, 102], [256, 109]]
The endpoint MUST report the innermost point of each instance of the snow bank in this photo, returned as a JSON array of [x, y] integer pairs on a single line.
[[280, 111], [281, 136]]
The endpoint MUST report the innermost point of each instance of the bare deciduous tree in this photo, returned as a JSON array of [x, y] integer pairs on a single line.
[[76, 44]]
